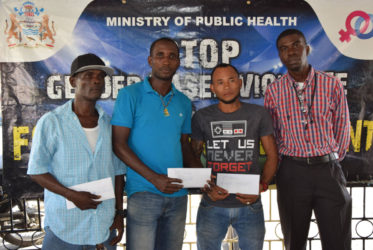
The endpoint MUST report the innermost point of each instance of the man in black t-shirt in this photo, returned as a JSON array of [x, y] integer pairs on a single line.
[[232, 131]]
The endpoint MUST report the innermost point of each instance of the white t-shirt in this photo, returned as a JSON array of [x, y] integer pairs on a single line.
[[301, 85], [92, 136]]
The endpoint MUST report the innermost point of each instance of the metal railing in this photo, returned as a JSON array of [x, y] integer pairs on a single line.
[[21, 222], [22, 225]]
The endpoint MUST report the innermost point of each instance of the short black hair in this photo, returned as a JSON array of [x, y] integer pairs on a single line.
[[166, 39], [224, 65], [289, 32]]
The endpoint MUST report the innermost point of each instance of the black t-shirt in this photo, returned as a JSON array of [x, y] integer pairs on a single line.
[[232, 141]]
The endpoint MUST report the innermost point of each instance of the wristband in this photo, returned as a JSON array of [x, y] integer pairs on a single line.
[[121, 212], [264, 186]]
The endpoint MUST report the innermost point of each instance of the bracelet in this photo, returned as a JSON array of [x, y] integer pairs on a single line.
[[121, 212], [264, 185]]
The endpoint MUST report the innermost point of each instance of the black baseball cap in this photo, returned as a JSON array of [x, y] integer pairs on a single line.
[[89, 61]]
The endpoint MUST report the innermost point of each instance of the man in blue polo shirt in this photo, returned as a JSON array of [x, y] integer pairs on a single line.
[[151, 123]]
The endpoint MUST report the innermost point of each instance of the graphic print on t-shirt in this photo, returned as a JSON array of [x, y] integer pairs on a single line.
[[229, 151], [228, 129]]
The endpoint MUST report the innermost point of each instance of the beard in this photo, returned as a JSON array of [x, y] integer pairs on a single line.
[[231, 100], [164, 77], [295, 68]]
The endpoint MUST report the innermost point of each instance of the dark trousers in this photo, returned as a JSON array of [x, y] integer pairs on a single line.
[[302, 188]]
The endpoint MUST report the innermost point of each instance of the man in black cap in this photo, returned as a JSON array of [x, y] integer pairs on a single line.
[[71, 146]]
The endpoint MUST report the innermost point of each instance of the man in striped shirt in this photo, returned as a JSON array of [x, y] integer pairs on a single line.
[[311, 122]]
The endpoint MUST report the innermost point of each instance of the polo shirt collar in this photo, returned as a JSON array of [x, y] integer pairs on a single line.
[[148, 88]]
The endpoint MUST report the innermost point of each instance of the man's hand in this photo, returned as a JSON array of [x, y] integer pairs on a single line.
[[83, 200], [249, 198], [119, 226], [167, 185], [246, 198], [215, 193]]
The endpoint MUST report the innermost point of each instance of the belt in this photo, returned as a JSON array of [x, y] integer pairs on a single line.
[[314, 160]]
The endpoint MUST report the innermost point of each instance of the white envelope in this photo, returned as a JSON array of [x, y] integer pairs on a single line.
[[102, 187], [191, 177], [239, 183]]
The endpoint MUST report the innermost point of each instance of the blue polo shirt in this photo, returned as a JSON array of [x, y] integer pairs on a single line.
[[154, 137]]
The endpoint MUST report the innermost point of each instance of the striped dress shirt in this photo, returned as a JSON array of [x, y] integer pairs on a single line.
[[320, 128]]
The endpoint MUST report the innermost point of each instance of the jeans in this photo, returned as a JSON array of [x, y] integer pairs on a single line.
[[155, 221], [213, 223], [52, 242]]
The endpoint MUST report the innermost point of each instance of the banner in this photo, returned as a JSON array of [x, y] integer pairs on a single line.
[[348, 25], [41, 38]]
